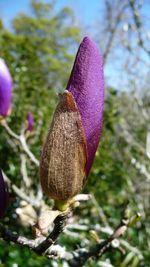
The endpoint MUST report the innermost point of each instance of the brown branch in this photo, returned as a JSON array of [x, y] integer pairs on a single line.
[[39, 245], [9, 236], [59, 223], [82, 255], [44, 246]]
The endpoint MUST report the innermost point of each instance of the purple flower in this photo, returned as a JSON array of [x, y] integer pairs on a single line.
[[3, 195], [30, 122], [5, 89], [75, 131], [86, 83]]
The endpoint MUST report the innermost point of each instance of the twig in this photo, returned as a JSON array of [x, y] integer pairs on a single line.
[[59, 223], [27, 150], [82, 255], [45, 246], [9, 131], [100, 211], [39, 245], [82, 197], [135, 250], [7, 235], [113, 28], [27, 181], [22, 140], [138, 25], [105, 264], [21, 194]]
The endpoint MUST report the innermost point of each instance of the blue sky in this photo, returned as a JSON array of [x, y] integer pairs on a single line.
[[85, 11]]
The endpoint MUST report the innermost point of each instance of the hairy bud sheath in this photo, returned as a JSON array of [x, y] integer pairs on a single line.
[[62, 168], [76, 129]]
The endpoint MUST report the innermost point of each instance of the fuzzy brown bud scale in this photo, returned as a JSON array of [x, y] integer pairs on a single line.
[[62, 166]]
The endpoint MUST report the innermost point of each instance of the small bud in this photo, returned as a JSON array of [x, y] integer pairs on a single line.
[[136, 218], [5, 90], [95, 236], [30, 122]]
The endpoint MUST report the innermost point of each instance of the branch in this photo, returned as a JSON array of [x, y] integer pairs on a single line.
[[82, 255], [100, 211], [82, 197], [112, 28], [39, 245], [20, 193], [22, 141], [59, 225], [45, 246], [27, 150], [9, 131], [27, 181], [7, 235], [138, 25]]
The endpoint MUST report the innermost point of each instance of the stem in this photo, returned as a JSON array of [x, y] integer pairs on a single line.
[[22, 140]]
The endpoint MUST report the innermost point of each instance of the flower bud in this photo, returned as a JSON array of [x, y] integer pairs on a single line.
[[30, 122], [76, 128], [62, 166], [5, 89], [86, 83]]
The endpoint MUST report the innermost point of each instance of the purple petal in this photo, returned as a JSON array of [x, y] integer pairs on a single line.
[[30, 122], [87, 86], [5, 89], [3, 195]]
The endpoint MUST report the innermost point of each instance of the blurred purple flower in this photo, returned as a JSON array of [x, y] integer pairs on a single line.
[[5, 89], [30, 122], [3, 195], [86, 83]]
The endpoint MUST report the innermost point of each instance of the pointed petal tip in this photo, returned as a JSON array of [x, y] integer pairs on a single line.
[[86, 83], [90, 44], [87, 39]]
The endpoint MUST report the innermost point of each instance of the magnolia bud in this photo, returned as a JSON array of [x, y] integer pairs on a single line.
[[30, 122], [5, 89], [76, 129], [62, 166]]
